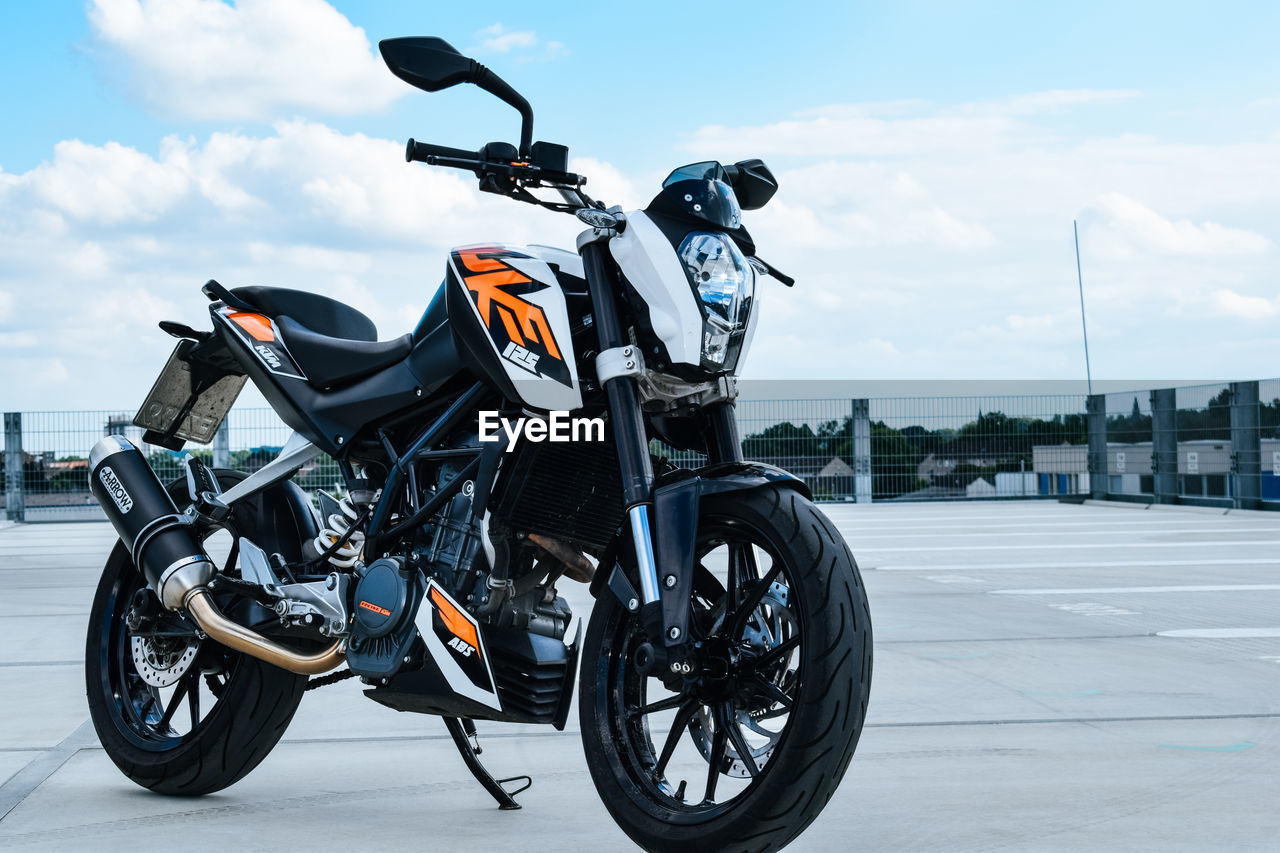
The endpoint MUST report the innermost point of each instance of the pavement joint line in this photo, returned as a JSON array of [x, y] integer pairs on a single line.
[[1171, 718], [1221, 633], [903, 725], [33, 775], [1088, 564], [1014, 639], [1103, 590], [178, 819], [1080, 546], [1040, 534], [8, 663], [859, 526]]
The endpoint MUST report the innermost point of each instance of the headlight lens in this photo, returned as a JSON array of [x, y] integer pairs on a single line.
[[726, 285]]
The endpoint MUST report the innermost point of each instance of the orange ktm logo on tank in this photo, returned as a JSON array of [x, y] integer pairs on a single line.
[[523, 322]]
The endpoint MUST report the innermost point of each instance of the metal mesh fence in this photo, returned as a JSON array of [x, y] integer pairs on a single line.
[[1191, 444], [55, 453], [1129, 431], [931, 448], [1204, 454]]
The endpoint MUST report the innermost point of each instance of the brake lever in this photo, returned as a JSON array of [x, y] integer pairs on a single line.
[[775, 272]]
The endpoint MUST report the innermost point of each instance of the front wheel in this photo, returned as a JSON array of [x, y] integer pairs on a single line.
[[744, 752]]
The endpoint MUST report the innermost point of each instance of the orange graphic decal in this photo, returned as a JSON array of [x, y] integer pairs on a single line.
[[454, 620], [258, 327], [375, 608], [524, 322]]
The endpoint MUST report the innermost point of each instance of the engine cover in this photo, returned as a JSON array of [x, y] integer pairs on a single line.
[[383, 630], [381, 596]]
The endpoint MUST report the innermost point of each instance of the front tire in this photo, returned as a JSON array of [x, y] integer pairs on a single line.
[[757, 740], [221, 716]]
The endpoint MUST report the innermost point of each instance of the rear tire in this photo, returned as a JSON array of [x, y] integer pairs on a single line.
[[253, 701], [815, 607]]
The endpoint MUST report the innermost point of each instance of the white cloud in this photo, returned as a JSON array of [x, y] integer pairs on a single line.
[[108, 184], [938, 247], [496, 38], [16, 340], [304, 206], [607, 183], [1133, 227], [1049, 101], [310, 258], [898, 128], [1232, 304], [253, 59], [946, 232]]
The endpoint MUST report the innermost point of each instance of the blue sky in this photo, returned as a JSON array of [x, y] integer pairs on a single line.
[[933, 156], [1201, 67]]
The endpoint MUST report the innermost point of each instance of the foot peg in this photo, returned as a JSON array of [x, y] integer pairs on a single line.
[[463, 732]]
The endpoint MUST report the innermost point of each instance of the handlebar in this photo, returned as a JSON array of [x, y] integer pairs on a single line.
[[502, 171]]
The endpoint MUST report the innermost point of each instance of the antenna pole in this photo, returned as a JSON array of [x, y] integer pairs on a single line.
[[1083, 326]]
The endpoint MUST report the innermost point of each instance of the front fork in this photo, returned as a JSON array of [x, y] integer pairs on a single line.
[[665, 573], [627, 418]]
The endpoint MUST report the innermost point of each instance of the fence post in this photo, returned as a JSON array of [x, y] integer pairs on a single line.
[[862, 450], [222, 446], [1246, 446], [14, 475], [1164, 445], [1095, 406]]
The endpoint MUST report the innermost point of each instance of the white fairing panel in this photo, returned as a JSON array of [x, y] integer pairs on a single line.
[[753, 320], [651, 265], [517, 299], [456, 644]]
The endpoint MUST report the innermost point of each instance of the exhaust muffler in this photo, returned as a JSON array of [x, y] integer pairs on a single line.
[[166, 547]]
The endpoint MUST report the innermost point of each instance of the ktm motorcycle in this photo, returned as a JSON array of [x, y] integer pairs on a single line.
[[726, 666]]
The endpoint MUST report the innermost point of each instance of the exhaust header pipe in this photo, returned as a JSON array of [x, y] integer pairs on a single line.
[[166, 547]]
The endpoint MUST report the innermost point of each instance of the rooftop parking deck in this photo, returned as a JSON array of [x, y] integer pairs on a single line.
[[1047, 677]]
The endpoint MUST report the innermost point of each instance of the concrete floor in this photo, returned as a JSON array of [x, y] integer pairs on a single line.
[[1048, 677]]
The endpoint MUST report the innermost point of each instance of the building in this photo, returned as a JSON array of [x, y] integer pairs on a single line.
[[1204, 468]]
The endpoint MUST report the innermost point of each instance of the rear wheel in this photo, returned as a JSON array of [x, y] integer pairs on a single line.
[[744, 752], [179, 714]]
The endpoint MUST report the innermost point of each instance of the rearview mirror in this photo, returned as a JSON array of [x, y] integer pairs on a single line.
[[429, 63], [752, 183], [433, 64]]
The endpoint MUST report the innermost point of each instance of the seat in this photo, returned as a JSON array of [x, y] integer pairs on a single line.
[[333, 343]]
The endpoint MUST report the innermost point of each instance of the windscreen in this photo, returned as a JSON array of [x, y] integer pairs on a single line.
[[700, 189]]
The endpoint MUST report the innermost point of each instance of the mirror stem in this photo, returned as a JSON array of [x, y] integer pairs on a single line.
[[496, 86]]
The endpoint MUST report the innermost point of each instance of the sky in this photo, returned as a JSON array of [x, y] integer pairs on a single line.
[[931, 159]]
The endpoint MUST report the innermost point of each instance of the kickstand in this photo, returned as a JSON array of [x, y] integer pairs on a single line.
[[464, 737]]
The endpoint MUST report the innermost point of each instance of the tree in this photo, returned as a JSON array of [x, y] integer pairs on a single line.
[[782, 440]]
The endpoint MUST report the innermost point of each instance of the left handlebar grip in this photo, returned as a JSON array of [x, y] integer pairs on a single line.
[[421, 151]]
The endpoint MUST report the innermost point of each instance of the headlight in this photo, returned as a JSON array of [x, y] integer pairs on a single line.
[[726, 286]]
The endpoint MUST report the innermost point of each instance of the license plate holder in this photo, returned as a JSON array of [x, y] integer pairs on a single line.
[[173, 391]]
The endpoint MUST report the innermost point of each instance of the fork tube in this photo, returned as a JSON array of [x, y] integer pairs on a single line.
[[723, 441], [624, 410]]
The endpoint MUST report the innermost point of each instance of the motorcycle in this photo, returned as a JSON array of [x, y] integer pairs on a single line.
[[726, 666]]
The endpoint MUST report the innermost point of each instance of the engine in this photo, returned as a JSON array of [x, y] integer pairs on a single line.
[[491, 624], [516, 589]]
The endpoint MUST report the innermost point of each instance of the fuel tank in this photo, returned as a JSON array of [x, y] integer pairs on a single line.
[[514, 310]]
